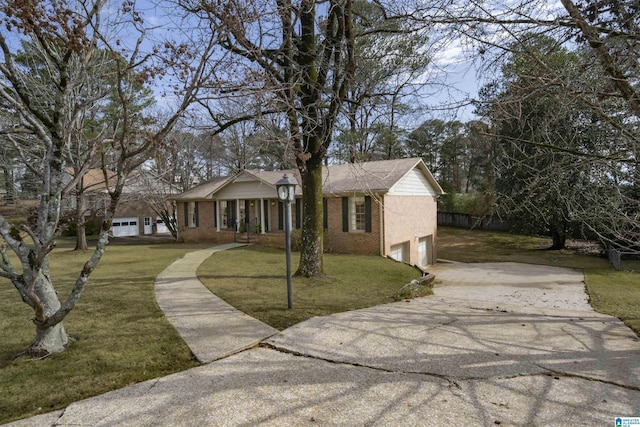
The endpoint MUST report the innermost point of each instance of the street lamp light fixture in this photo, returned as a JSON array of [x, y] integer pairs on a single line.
[[286, 188]]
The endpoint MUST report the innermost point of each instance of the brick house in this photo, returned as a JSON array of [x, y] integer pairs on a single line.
[[384, 208], [134, 215]]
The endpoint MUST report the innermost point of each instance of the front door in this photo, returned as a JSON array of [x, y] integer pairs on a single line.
[[148, 228]]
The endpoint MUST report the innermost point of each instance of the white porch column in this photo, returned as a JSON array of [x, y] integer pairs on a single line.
[[381, 214], [238, 219], [262, 227], [218, 217]]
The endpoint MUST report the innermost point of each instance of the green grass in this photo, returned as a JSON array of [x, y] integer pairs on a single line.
[[616, 293], [122, 336], [463, 245], [252, 279]]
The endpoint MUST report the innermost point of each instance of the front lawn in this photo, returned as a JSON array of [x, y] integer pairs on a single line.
[[122, 336], [253, 280]]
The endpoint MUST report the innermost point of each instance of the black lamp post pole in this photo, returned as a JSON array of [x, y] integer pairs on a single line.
[[286, 188], [287, 232]]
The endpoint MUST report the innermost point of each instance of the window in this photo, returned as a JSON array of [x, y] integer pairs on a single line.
[[227, 214], [243, 210], [224, 217], [356, 214], [192, 214]]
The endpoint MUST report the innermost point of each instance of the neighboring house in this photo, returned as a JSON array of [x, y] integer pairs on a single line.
[[384, 207], [134, 215]]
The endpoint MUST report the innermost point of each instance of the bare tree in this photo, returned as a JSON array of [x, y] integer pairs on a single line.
[[598, 92], [300, 57], [391, 64], [67, 37]]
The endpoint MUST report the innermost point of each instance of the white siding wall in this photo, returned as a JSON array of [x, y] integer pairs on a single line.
[[414, 183], [247, 190]]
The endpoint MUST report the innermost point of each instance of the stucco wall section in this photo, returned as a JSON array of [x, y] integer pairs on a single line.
[[407, 219]]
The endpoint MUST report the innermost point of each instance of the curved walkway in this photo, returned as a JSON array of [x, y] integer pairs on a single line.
[[211, 328], [430, 361]]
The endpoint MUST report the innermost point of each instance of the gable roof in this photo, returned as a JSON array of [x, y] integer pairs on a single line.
[[366, 177], [147, 182], [204, 190], [372, 177], [93, 179]]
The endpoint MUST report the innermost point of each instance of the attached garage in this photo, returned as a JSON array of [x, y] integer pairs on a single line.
[[400, 252], [126, 226]]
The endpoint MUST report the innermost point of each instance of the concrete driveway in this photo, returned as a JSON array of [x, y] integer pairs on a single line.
[[474, 354], [524, 285]]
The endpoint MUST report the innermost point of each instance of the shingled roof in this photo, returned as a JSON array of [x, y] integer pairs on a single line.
[[204, 190], [378, 176], [366, 177]]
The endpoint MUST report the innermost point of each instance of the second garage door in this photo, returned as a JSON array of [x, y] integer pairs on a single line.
[[121, 227]]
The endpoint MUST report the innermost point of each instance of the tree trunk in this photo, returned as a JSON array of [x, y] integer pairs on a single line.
[[51, 339], [8, 186], [81, 233], [559, 236], [81, 236], [312, 232]]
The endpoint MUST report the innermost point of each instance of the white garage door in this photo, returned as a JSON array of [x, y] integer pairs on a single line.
[[424, 251], [125, 227], [161, 228], [400, 252]]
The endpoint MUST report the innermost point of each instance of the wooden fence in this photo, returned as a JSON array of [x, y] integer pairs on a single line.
[[491, 223]]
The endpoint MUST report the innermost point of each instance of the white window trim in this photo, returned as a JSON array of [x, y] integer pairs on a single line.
[[352, 214]]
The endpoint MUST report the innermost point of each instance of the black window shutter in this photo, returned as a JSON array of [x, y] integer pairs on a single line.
[[186, 214], [298, 213], [367, 214], [266, 215], [195, 213], [215, 214], [325, 212], [231, 214], [280, 216], [345, 214]]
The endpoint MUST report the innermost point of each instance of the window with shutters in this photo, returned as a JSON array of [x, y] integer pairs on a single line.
[[358, 214], [192, 214]]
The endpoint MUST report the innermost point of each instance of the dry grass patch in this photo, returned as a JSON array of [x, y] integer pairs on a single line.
[[463, 245], [122, 335], [253, 280]]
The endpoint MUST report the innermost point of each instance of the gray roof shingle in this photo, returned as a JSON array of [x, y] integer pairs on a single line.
[[366, 177]]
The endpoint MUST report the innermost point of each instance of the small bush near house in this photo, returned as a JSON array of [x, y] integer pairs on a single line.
[[91, 229]]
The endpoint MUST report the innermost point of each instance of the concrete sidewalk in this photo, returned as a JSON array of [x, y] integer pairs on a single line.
[[439, 360], [211, 328]]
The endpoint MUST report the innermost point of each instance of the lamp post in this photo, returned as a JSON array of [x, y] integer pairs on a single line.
[[286, 188]]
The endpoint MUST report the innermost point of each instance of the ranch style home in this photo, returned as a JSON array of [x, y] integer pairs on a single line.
[[386, 208]]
